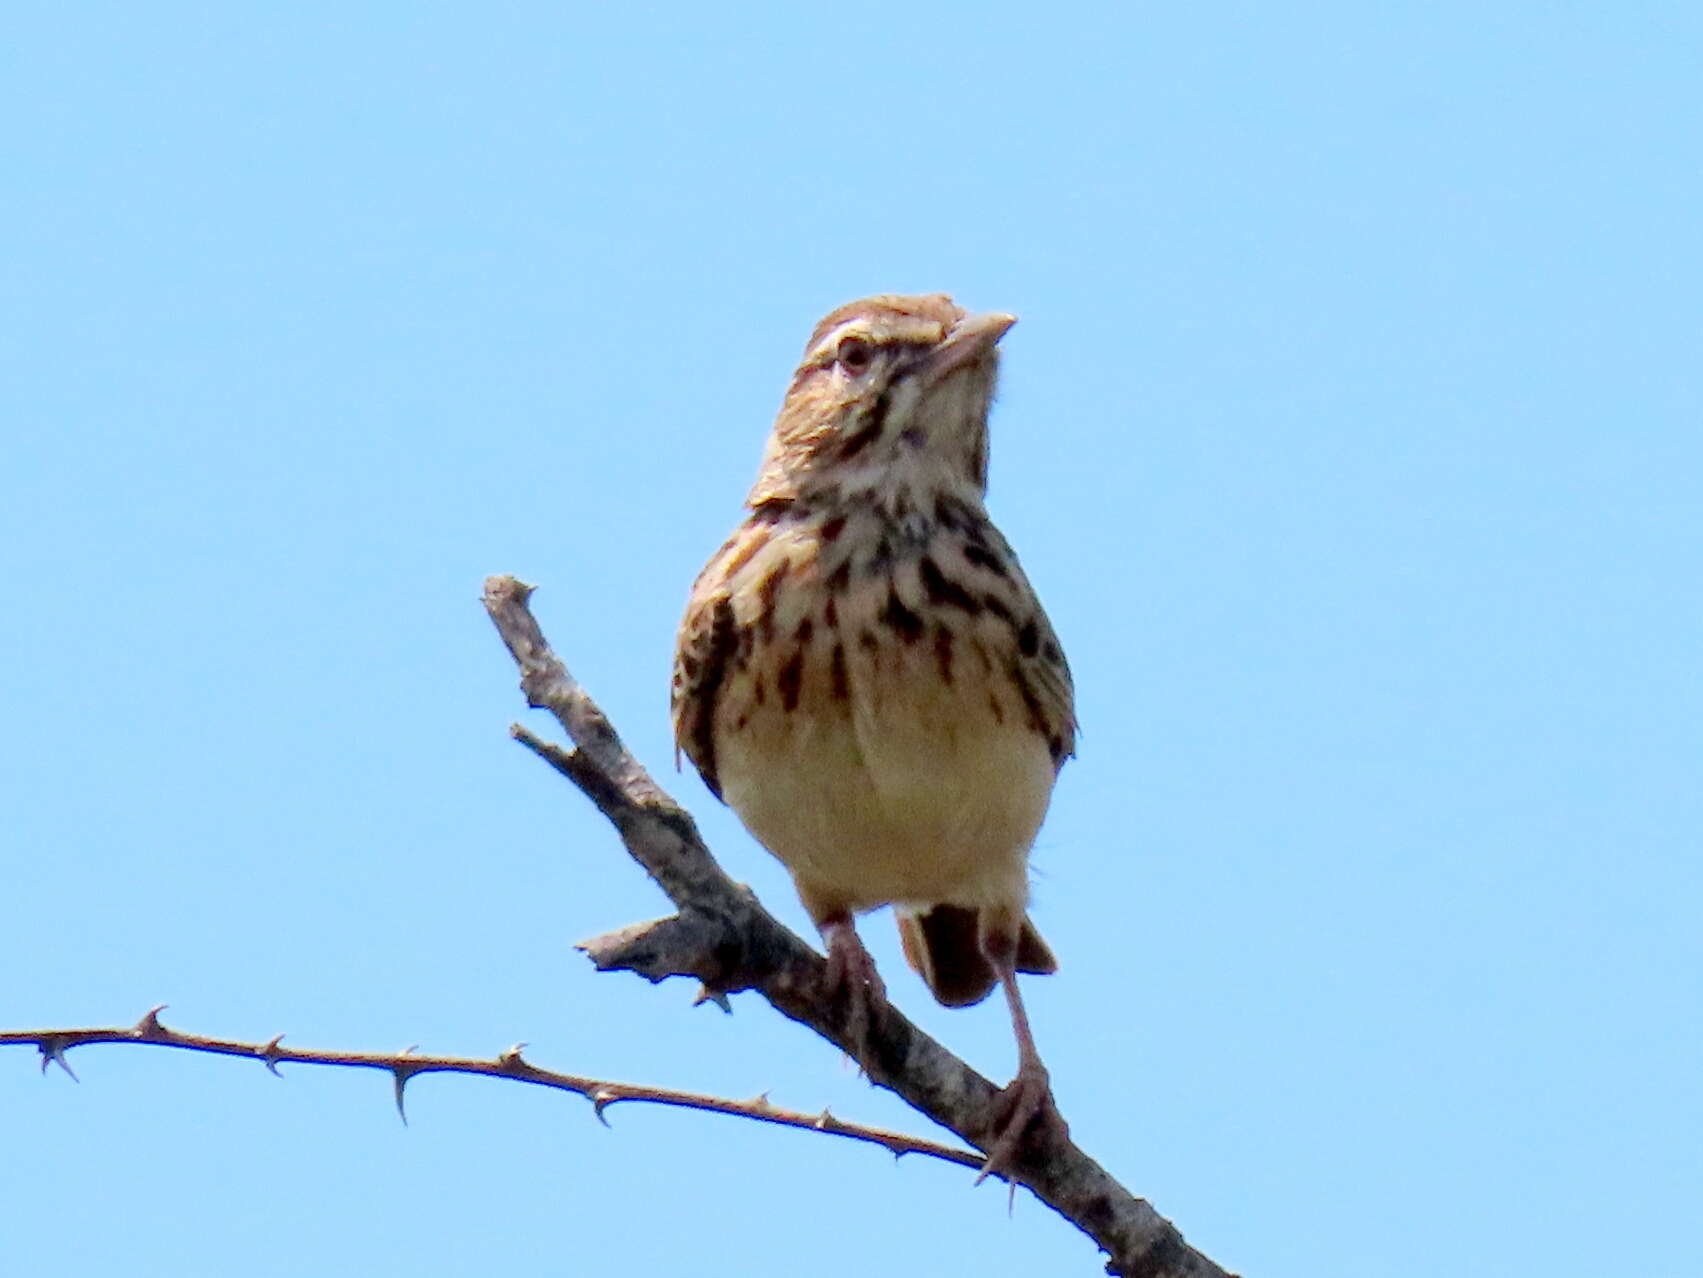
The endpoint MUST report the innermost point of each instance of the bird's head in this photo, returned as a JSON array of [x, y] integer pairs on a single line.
[[891, 397]]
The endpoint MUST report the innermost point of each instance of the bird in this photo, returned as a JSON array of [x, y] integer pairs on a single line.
[[866, 677]]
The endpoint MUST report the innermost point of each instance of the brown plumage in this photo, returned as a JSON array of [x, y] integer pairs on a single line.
[[866, 676]]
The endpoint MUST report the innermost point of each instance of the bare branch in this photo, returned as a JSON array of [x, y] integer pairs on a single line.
[[723, 937], [409, 1063]]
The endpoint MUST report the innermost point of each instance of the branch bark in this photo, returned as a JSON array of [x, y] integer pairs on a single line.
[[723, 937]]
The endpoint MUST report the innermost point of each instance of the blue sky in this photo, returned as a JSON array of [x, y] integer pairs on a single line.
[[1350, 433]]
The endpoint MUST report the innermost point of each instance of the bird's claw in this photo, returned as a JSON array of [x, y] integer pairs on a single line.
[[1023, 1108]]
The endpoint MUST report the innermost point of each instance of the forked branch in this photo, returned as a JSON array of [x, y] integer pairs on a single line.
[[724, 938]]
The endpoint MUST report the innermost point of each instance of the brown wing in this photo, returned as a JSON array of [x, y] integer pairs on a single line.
[[1049, 676], [701, 660], [1040, 670]]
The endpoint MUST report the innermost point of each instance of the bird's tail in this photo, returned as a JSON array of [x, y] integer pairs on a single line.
[[944, 946]]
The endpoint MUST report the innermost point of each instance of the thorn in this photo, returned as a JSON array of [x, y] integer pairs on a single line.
[[825, 1120], [511, 1058], [53, 1050], [718, 997], [761, 1103], [269, 1055], [149, 1026], [987, 1171], [601, 1100], [400, 1074]]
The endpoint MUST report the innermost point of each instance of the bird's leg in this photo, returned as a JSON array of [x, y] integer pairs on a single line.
[[852, 977], [1028, 1098]]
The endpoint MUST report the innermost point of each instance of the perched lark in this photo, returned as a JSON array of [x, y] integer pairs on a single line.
[[866, 676]]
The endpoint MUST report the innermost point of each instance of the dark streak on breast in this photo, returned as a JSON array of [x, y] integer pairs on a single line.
[[900, 618], [791, 679], [880, 558], [1029, 638], [951, 513], [1038, 717], [768, 590], [842, 684], [982, 557], [943, 653], [943, 590]]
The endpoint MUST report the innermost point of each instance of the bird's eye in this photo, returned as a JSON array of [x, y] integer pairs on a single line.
[[854, 355]]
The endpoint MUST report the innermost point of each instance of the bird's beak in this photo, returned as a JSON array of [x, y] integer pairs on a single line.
[[971, 338]]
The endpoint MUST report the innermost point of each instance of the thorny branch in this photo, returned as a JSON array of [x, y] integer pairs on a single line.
[[408, 1064], [724, 938]]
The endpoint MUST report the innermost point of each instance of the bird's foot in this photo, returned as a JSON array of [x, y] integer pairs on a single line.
[[852, 978], [1023, 1110]]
